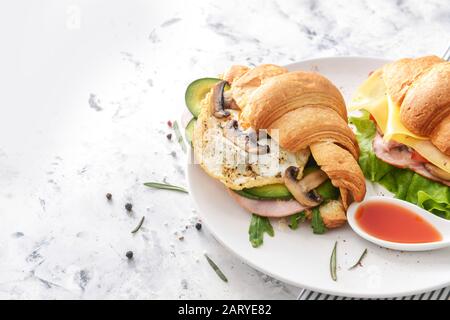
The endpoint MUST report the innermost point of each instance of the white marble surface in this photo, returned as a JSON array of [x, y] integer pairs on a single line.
[[87, 89]]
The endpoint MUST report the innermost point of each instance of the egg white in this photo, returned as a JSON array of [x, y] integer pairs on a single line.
[[224, 160]]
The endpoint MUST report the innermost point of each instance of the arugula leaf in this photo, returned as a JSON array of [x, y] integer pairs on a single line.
[[317, 223], [258, 226], [295, 219], [403, 183]]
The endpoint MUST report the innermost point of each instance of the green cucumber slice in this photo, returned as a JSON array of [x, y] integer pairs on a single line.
[[189, 131], [328, 191], [196, 92], [271, 191], [267, 192]]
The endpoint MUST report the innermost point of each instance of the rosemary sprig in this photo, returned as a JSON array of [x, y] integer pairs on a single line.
[[358, 263], [139, 225], [179, 136], [166, 186], [216, 269], [333, 263]]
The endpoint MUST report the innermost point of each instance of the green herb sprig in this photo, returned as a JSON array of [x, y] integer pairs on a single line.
[[179, 136], [358, 263], [216, 269], [139, 225], [333, 263], [166, 186]]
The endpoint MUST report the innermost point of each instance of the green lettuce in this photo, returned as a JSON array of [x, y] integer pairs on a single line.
[[403, 183]]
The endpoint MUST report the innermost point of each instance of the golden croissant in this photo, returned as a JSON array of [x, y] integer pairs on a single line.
[[409, 101], [309, 111], [421, 88]]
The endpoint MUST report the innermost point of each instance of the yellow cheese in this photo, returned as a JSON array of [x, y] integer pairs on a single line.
[[394, 127], [427, 150], [372, 96]]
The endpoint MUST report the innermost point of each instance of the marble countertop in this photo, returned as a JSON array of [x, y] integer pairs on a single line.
[[88, 88]]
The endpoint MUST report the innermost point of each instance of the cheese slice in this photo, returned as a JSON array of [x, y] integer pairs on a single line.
[[372, 96], [394, 127]]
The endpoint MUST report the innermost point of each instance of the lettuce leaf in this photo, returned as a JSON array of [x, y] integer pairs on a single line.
[[403, 183]]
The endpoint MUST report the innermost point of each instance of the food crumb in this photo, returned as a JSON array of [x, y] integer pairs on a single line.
[[198, 226], [128, 206], [169, 123], [169, 136], [109, 196]]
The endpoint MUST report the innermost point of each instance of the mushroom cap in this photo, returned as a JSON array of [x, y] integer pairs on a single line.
[[303, 190]]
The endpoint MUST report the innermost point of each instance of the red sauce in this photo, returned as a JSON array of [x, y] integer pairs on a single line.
[[393, 223]]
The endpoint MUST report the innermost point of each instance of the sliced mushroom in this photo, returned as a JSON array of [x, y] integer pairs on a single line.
[[218, 101], [303, 190], [229, 102], [246, 141], [438, 172]]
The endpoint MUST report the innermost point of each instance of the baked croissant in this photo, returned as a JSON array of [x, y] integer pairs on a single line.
[[421, 88], [309, 111]]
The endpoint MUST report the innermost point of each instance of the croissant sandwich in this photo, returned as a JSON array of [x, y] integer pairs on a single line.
[[408, 130], [279, 141]]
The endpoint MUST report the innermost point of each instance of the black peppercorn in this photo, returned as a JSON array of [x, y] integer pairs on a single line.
[[108, 196], [198, 226], [128, 206], [169, 136], [129, 254]]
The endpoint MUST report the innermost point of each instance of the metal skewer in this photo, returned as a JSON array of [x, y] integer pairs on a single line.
[[446, 55]]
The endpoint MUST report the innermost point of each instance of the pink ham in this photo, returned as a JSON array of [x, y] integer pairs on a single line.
[[268, 208], [400, 156]]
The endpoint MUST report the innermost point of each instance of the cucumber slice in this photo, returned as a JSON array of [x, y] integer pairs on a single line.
[[280, 192], [271, 191], [189, 131], [247, 195], [267, 192], [196, 92], [328, 191]]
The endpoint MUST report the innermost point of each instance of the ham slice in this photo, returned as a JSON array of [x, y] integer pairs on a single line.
[[268, 208], [400, 156]]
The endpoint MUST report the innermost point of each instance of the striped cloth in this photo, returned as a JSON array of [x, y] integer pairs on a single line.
[[440, 294]]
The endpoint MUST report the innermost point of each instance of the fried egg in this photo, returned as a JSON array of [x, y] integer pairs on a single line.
[[221, 148]]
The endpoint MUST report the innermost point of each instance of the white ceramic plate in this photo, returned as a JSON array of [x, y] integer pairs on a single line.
[[301, 258]]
